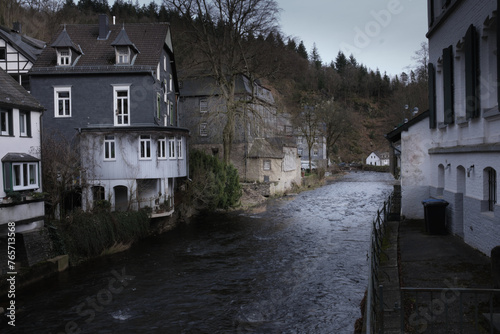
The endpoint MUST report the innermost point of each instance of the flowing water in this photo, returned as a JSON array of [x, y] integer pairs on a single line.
[[297, 265]]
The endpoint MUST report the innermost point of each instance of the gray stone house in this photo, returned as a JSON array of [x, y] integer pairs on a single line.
[[112, 91], [263, 147]]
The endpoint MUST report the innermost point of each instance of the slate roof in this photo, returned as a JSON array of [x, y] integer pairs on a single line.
[[13, 95], [270, 147], [148, 38], [27, 46], [206, 86]]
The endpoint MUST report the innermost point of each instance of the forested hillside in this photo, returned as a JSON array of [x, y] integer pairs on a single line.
[[358, 104]]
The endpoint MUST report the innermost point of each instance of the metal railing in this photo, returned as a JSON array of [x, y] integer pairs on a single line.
[[449, 310], [373, 294]]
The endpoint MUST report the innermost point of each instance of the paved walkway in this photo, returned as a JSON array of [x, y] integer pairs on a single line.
[[430, 261]]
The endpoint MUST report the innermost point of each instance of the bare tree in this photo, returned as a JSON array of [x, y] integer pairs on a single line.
[[60, 170], [309, 127], [219, 33]]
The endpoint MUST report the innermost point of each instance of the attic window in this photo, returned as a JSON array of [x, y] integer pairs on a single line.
[[64, 57], [122, 55]]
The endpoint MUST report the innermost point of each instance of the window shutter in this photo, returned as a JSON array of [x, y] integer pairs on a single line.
[[448, 84], [432, 95], [7, 176], [471, 73], [11, 122], [498, 55], [28, 123]]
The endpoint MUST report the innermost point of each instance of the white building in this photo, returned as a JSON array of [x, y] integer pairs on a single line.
[[456, 154], [378, 159], [20, 184]]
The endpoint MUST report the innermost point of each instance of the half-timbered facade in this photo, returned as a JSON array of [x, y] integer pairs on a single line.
[[112, 90], [18, 53]]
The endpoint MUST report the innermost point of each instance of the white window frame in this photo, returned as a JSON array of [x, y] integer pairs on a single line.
[[170, 83], [266, 165], [118, 101], [203, 106], [23, 124], [204, 129], [164, 63], [67, 109], [179, 148], [144, 147], [171, 148], [64, 57], [22, 178], [109, 148], [4, 123], [162, 148], [123, 55]]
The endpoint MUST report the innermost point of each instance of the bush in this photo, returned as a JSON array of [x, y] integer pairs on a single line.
[[214, 185], [84, 235]]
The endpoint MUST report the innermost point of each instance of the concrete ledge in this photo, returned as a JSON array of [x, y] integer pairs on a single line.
[[62, 262]]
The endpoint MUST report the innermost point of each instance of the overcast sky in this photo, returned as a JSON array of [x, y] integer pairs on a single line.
[[381, 34]]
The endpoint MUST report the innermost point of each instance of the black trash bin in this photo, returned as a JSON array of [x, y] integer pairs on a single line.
[[435, 215]]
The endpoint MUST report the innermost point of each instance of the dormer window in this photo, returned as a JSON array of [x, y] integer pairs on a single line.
[[125, 50], [122, 55], [64, 57], [67, 51]]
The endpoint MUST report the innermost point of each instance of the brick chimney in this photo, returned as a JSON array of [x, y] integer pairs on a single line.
[[103, 26]]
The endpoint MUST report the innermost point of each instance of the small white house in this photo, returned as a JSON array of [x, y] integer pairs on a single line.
[[20, 183], [378, 159]]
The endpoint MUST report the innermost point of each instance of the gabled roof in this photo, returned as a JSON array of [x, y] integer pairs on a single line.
[[13, 95], [203, 85], [29, 47], [149, 38], [395, 135]]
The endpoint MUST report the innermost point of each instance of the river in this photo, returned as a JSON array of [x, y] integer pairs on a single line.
[[296, 265]]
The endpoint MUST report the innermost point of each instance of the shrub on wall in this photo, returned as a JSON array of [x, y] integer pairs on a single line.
[[84, 234], [214, 185]]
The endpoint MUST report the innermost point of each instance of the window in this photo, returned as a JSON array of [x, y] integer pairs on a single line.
[[300, 151], [315, 151], [267, 165], [165, 63], [123, 55], [172, 115], [24, 124], [5, 122], [25, 176], [62, 101], [3, 53], [122, 105], [203, 106], [299, 140], [179, 148], [170, 83], [145, 147], [64, 57], [162, 148], [203, 129], [158, 105], [171, 148], [109, 148]]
